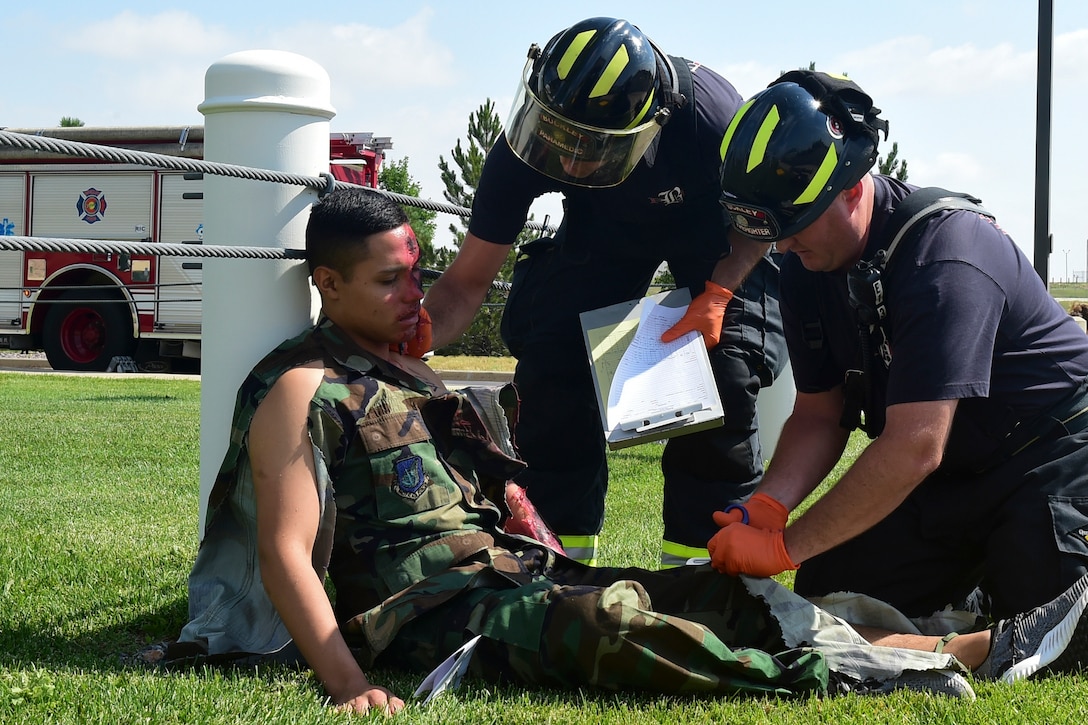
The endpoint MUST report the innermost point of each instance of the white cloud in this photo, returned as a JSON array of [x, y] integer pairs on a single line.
[[911, 65], [363, 59], [748, 77], [1071, 56], [129, 35], [954, 169]]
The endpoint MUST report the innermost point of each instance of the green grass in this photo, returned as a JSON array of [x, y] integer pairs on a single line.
[[98, 501], [473, 362], [1068, 290]]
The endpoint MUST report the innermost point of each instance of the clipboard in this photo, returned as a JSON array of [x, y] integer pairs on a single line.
[[683, 396]]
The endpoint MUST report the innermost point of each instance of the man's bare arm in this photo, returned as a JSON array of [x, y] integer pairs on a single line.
[[731, 271], [809, 446], [285, 484], [909, 449], [455, 297]]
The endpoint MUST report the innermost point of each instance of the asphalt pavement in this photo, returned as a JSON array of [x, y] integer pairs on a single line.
[[36, 363]]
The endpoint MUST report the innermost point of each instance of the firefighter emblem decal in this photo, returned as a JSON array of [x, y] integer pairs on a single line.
[[91, 205]]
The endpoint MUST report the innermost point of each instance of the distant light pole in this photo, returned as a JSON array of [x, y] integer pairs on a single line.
[[1066, 264], [1043, 92]]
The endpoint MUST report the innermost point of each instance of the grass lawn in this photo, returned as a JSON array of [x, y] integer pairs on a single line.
[[1069, 290], [98, 501], [473, 362]]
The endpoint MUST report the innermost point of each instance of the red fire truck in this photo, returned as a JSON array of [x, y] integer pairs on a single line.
[[83, 309]]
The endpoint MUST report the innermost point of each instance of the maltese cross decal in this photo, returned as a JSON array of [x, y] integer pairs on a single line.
[[91, 205]]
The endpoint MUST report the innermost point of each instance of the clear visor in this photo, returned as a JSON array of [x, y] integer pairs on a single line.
[[573, 152]]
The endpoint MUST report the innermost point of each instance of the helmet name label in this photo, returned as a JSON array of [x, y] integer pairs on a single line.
[[752, 221]]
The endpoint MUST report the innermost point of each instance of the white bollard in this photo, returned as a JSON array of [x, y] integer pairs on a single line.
[[270, 110], [773, 406]]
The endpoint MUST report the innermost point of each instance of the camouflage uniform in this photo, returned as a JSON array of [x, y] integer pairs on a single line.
[[412, 543]]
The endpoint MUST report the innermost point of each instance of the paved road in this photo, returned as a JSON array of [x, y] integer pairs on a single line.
[[14, 362]]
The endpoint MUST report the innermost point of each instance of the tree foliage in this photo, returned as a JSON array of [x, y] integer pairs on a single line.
[[461, 176], [461, 180], [70, 122], [893, 165], [395, 177]]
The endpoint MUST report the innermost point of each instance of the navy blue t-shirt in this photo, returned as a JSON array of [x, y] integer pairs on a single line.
[[675, 200], [968, 319]]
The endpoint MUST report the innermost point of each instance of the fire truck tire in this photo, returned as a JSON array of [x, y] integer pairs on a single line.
[[85, 333]]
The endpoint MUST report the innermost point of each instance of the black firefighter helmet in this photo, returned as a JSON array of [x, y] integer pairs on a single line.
[[792, 148], [591, 101]]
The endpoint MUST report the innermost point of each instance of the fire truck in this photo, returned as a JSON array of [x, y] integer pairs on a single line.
[[87, 310]]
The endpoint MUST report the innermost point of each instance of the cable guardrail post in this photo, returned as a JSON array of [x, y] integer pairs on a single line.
[[270, 110]]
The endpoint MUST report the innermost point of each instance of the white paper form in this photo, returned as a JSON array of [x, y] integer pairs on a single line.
[[657, 382], [448, 674]]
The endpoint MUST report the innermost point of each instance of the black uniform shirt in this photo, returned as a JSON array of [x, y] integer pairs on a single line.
[[968, 319], [679, 191]]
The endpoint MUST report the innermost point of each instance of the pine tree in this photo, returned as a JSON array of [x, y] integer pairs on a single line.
[[484, 128], [892, 165], [395, 177], [461, 179]]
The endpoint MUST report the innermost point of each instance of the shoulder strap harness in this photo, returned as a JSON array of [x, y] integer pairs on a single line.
[[868, 301]]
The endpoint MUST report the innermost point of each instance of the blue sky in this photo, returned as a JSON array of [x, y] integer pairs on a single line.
[[955, 78]]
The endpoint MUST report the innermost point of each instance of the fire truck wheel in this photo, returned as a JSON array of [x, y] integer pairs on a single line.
[[87, 330]]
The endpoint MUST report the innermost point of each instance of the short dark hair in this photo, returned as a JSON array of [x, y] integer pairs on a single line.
[[342, 221]]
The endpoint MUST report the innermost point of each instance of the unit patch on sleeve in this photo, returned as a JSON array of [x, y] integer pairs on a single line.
[[411, 481]]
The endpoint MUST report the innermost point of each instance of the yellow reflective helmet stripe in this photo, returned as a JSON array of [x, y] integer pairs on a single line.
[[763, 137], [758, 151], [573, 51], [643, 111], [608, 77], [819, 179], [733, 128], [611, 72]]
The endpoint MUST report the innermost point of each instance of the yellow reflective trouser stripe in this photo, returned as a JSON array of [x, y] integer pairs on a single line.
[[673, 554], [580, 547]]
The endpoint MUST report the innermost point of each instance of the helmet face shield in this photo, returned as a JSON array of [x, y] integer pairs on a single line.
[[569, 151]]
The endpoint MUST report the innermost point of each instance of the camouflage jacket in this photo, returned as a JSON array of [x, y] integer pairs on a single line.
[[402, 476]]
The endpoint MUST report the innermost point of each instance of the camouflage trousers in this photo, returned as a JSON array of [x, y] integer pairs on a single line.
[[683, 630]]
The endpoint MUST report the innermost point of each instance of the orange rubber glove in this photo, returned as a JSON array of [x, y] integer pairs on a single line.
[[740, 549], [705, 314], [763, 513], [419, 344]]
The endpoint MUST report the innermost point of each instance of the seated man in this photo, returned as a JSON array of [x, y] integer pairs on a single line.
[[350, 459]]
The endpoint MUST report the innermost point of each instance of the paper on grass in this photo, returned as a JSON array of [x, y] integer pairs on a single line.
[[658, 382], [448, 674]]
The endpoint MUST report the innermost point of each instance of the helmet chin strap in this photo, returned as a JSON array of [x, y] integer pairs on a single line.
[[671, 97], [671, 100]]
